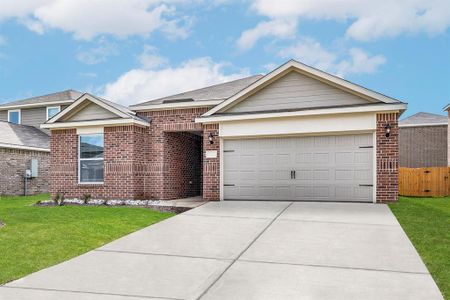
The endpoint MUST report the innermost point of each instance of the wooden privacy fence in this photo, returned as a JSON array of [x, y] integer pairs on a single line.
[[432, 182]]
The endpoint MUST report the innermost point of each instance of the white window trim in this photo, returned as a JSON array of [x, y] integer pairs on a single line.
[[50, 107], [20, 115], [80, 159]]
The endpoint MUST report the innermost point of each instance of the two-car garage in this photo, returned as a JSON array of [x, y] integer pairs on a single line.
[[306, 168]]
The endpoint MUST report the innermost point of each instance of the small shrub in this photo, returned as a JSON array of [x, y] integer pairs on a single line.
[[59, 199], [86, 197]]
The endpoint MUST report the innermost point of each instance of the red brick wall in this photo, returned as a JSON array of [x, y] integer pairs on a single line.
[[211, 166], [174, 156], [125, 153], [387, 158]]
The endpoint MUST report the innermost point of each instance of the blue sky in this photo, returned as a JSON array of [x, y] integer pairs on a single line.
[[135, 50]]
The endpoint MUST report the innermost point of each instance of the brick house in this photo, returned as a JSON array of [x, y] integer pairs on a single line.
[[23, 143], [296, 133], [423, 141]]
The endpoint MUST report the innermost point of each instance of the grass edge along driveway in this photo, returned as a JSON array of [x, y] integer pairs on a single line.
[[35, 238], [426, 221]]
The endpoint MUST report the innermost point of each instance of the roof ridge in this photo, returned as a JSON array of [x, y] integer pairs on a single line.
[[195, 90]]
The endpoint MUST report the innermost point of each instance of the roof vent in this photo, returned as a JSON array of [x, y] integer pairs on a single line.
[[178, 100]]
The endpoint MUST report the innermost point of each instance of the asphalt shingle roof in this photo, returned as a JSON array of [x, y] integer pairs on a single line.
[[424, 118], [221, 91], [68, 95], [23, 135]]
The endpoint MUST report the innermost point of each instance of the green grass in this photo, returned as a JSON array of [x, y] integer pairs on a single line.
[[426, 221], [38, 237]]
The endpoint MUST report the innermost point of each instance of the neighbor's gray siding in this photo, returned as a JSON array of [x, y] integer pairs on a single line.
[[424, 146], [295, 91], [33, 116], [3, 115], [92, 112]]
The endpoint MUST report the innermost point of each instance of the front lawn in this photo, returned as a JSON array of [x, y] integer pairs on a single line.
[[426, 221], [38, 237]]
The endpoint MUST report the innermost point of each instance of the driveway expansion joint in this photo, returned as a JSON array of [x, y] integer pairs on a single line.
[[161, 254], [91, 293], [243, 251], [336, 222], [333, 267], [235, 217]]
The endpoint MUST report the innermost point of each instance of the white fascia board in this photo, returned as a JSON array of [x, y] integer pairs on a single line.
[[180, 105], [447, 107], [13, 146], [80, 100], [326, 111], [114, 122], [309, 71], [423, 125], [43, 104]]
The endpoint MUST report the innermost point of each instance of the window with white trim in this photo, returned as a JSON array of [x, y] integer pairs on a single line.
[[90, 159], [52, 110], [14, 116]]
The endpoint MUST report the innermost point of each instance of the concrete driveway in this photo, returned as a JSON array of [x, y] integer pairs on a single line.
[[247, 250]]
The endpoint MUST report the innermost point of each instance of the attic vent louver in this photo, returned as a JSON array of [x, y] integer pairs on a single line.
[[178, 100]]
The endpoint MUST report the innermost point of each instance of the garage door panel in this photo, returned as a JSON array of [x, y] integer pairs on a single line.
[[283, 192], [346, 157], [321, 158], [326, 168]]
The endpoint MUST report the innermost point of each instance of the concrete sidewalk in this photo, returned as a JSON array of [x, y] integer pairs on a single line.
[[247, 250]]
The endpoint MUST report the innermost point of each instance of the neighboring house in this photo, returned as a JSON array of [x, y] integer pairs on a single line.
[[296, 133], [423, 141], [447, 109], [22, 140]]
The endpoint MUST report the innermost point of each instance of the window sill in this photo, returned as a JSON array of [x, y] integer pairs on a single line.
[[90, 183]]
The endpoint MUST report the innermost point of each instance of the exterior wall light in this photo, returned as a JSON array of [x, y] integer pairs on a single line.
[[211, 138], [388, 129]]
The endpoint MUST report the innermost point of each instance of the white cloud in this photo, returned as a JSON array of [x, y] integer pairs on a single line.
[[355, 61], [366, 19], [87, 19], [97, 54], [149, 58], [141, 84], [279, 28]]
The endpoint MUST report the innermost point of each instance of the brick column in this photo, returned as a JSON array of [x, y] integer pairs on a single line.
[[387, 158], [211, 166]]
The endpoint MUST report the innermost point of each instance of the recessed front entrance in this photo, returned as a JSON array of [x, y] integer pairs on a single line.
[[309, 168]]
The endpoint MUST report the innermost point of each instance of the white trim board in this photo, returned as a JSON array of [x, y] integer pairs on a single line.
[[12, 146], [293, 65], [111, 122], [423, 125], [42, 104], [320, 111], [308, 125]]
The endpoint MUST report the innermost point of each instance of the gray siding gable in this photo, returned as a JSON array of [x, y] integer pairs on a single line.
[[296, 91], [89, 112]]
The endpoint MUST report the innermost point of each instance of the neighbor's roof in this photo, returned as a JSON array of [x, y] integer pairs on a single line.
[[64, 96], [23, 137], [221, 91], [424, 119]]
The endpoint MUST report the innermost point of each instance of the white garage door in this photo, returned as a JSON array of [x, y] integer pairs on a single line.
[[318, 168]]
